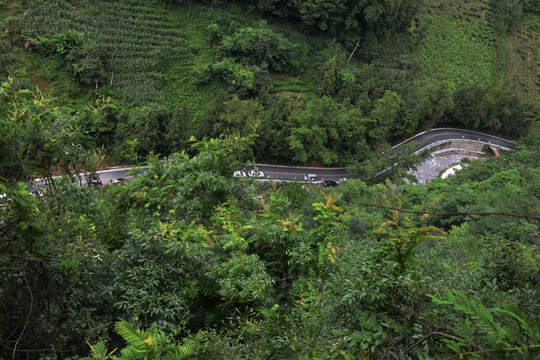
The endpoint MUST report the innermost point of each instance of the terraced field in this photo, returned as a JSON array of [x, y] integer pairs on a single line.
[[522, 59], [136, 40], [458, 42]]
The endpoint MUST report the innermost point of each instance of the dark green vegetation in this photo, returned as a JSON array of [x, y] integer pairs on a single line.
[[158, 73], [221, 268], [187, 261]]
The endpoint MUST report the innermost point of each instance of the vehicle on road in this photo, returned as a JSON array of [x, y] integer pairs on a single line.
[[95, 184], [310, 177], [37, 190], [330, 183], [239, 174], [256, 173], [118, 181], [3, 201]]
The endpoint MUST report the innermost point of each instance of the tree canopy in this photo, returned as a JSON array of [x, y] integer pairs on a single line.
[[188, 261]]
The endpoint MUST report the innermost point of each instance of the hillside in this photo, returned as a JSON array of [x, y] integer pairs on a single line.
[[227, 67]]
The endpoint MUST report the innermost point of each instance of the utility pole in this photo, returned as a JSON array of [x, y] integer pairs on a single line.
[[357, 43], [112, 70], [298, 98]]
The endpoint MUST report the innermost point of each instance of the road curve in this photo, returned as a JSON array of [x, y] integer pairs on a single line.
[[424, 139], [427, 138]]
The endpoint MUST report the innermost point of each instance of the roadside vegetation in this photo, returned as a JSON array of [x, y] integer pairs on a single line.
[[187, 261]]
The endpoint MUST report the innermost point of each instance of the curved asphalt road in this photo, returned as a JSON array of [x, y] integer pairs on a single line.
[[424, 139], [428, 137], [280, 172]]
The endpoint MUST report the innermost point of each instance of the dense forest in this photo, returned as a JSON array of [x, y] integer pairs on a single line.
[[187, 261]]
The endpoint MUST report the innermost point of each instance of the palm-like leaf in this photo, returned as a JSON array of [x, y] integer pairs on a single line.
[[181, 351], [99, 351], [151, 344], [129, 333]]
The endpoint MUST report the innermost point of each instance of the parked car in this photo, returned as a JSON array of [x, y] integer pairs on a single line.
[[329, 183], [118, 181], [310, 177], [3, 201], [256, 173], [239, 174], [37, 190], [95, 184]]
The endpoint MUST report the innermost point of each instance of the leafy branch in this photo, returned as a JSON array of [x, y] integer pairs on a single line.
[[464, 213]]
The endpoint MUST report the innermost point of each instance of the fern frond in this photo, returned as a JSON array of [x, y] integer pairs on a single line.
[[395, 216], [129, 333], [389, 222], [99, 351], [181, 351], [130, 353], [430, 229], [408, 222]]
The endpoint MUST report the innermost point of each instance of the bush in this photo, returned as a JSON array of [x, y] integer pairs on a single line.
[[242, 80], [506, 13]]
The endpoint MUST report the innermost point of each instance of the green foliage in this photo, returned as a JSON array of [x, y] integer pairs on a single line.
[[323, 132], [531, 6], [245, 56], [506, 13], [332, 16], [157, 271], [259, 45], [243, 279], [8, 64], [99, 351], [67, 41], [243, 80], [403, 237], [333, 291], [327, 231], [232, 117], [384, 115], [151, 344], [499, 330], [394, 167], [449, 54], [327, 83], [107, 42], [37, 135], [245, 269]]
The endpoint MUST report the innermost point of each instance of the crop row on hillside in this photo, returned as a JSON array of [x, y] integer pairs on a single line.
[[129, 37]]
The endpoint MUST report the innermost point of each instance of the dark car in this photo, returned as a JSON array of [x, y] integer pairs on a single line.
[[329, 183], [95, 184]]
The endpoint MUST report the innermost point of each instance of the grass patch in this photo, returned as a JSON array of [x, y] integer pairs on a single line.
[[289, 83], [522, 59], [182, 84], [448, 53], [532, 21]]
